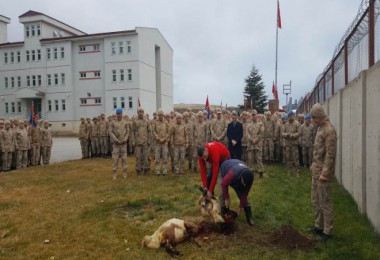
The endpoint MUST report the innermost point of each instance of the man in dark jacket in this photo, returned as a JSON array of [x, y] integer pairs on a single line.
[[236, 174], [234, 135]]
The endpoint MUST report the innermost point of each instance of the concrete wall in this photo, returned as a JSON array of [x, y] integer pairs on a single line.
[[353, 111]]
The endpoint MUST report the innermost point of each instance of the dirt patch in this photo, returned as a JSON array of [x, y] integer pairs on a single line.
[[287, 238]]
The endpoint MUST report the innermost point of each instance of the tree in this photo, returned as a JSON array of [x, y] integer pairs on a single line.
[[254, 90]]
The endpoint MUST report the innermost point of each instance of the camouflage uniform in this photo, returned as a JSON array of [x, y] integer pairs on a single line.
[[23, 145], [255, 136], [179, 142], [5, 142], [35, 144], [244, 140], [94, 137], [152, 146], [119, 133], [84, 133], [161, 134], [170, 147], [291, 140], [283, 142], [269, 126], [323, 166], [307, 134], [141, 138], [277, 139], [46, 143], [190, 129], [201, 134], [218, 129], [103, 135]]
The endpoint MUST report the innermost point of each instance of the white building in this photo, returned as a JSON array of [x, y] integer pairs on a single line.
[[67, 73]]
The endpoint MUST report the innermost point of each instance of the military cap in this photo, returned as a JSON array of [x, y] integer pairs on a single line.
[[254, 112], [119, 111], [185, 114], [160, 112]]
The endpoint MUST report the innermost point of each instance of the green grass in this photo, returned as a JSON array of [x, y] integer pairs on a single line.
[[86, 215]]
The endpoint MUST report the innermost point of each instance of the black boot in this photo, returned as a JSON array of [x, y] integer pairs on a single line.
[[248, 215]]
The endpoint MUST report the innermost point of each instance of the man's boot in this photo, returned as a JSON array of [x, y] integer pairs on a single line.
[[190, 165], [248, 215]]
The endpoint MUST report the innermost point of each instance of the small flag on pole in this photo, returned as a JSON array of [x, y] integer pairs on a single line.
[[274, 91], [278, 15], [32, 116], [207, 108]]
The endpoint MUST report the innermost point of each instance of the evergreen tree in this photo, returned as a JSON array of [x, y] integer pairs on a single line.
[[254, 90]]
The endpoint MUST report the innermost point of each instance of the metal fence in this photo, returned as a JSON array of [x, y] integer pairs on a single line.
[[358, 50]]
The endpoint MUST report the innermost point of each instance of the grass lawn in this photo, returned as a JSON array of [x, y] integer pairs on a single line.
[[74, 210]]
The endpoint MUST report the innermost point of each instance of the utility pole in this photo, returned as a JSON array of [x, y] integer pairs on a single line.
[[287, 89]]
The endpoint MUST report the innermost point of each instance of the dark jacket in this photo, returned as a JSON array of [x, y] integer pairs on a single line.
[[235, 133]]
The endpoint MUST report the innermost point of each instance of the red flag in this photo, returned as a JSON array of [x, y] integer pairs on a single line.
[[278, 15], [274, 91], [251, 103], [207, 108], [138, 102]]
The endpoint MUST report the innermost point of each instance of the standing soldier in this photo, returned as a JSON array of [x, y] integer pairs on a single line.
[[269, 126], [291, 136], [307, 134], [244, 140], [201, 131], [5, 141], [161, 133], [322, 168], [15, 126], [152, 146], [13, 145], [277, 137], [23, 144], [208, 125], [83, 137], [141, 136], [89, 126], [219, 128], [103, 135], [46, 143], [119, 133], [179, 143], [170, 149], [35, 142], [94, 137], [255, 136], [301, 120], [283, 141], [189, 124]]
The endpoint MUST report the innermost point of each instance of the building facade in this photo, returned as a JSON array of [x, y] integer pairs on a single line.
[[67, 73]]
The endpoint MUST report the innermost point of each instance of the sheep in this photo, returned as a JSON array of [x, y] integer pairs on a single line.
[[211, 209], [169, 234]]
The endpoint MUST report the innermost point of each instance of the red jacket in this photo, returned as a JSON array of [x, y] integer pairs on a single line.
[[217, 153]]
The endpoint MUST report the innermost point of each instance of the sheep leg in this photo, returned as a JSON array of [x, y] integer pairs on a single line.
[[171, 250]]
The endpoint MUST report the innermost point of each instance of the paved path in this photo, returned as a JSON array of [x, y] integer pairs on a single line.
[[65, 149]]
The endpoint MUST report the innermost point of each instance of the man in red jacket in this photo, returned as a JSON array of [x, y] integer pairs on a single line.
[[214, 153]]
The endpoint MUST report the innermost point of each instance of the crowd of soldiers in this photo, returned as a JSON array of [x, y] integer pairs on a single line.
[[176, 137], [24, 144]]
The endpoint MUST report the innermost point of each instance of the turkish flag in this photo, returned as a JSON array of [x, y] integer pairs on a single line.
[[278, 15]]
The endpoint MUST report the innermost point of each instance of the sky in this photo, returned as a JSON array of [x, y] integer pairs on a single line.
[[216, 42]]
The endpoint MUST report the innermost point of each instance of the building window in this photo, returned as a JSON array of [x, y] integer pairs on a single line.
[[97, 47], [113, 48], [63, 79], [19, 107], [49, 105], [83, 75], [48, 53], [98, 100], [12, 82], [113, 75], [49, 80], [121, 47], [82, 48], [97, 74], [18, 56], [129, 47], [38, 55], [33, 55], [19, 81], [121, 75], [39, 79], [55, 79], [130, 102], [83, 101], [33, 30], [55, 53], [114, 102], [6, 82], [12, 57], [56, 105], [129, 74], [63, 102], [27, 56], [34, 80], [122, 102], [5, 57], [62, 52], [13, 107], [6, 107], [28, 81], [27, 33], [38, 30]]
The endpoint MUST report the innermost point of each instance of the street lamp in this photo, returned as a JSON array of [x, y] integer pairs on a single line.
[[287, 89]]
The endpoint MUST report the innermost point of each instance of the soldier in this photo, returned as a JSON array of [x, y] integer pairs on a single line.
[[208, 125], [103, 135], [13, 145], [23, 144], [244, 140], [291, 136], [283, 142], [5, 141], [94, 137], [269, 126], [170, 149], [201, 131], [161, 133], [83, 137], [300, 119], [277, 137], [322, 168], [35, 141], [190, 129], [307, 135], [46, 143], [89, 125], [15, 126], [119, 133], [219, 128], [255, 136], [179, 143], [141, 136], [152, 146]]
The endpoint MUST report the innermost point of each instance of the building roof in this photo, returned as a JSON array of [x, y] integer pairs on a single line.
[[30, 13], [11, 44]]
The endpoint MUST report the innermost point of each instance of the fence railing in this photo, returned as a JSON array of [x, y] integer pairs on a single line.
[[358, 50]]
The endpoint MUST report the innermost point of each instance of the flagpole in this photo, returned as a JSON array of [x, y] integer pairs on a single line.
[[276, 46]]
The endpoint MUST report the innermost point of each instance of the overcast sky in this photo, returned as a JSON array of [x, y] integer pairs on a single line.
[[216, 42]]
